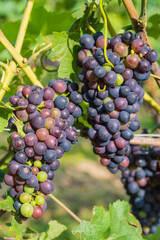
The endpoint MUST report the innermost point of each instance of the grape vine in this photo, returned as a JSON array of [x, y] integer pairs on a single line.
[[89, 81]]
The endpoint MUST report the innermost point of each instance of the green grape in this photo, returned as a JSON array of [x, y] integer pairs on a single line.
[[33, 203], [28, 189], [25, 197], [107, 67], [37, 163], [108, 99], [26, 210], [39, 200], [120, 80], [42, 176]]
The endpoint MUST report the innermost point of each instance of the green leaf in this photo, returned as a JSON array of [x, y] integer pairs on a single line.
[[153, 28], [17, 228], [5, 113], [123, 225], [116, 224], [7, 204], [64, 50], [49, 21], [55, 229], [1, 177]]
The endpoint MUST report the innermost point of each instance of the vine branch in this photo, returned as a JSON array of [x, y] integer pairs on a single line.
[[36, 54], [105, 36], [10, 73], [145, 141], [138, 25], [24, 25], [143, 15], [6, 156], [151, 102], [65, 208], [19, 59]]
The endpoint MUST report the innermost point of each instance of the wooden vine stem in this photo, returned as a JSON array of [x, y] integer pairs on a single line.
[[140, 26], [10, 70], [145, 141]]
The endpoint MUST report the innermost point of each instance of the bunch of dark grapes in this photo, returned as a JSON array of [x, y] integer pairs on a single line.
[[48, 115], [114, 93], [142, 182]]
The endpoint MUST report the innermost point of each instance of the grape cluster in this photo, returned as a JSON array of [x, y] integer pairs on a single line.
[[48, 117], [142, 182], [113, 92]]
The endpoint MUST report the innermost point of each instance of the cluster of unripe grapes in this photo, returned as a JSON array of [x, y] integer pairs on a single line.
[[48, 115], [112, 89], [141, 181]]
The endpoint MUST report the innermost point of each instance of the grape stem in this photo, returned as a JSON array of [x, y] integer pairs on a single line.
[[145, 141], [11, 69], [19, 59], [143, 15], [105, 36], [65, 208], [138, 25], [151, 102], [6, 156], [36, 54], [91, 29]]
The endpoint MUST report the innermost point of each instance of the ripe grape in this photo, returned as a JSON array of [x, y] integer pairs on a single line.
[[37, 212], [35, 98], [47, 187], [38, 121]]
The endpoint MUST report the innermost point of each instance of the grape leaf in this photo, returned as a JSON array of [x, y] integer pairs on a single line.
[[64, 50], [7, 204], [1, 177], [17, 228], [49, 21], [153, 28], [5, 113], [54, 230], [118, 224]]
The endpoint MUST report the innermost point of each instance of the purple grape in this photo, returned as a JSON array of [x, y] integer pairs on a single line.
[[47, 187], [21, 157]]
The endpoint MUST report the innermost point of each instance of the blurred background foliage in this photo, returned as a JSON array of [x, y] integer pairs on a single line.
[[81, 182]]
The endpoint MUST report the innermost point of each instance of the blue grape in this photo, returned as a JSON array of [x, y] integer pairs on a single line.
[[124, 117], [132, 187], [100, 56], [127, 134], [87, 41], [110, 78], [35, 98], [21, 157], [114, 58], [109, 106], [99, 71], [61, 102], [50, 156], [119, 68], [24, 172], [66, 145], [152, 56], [113, 126]]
